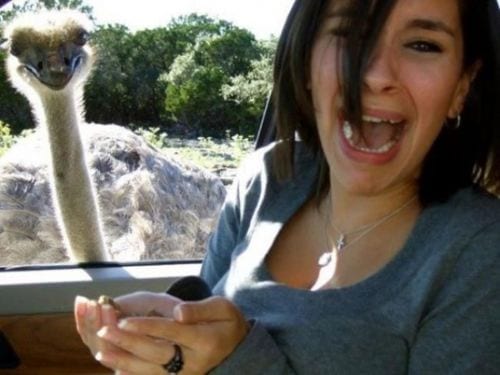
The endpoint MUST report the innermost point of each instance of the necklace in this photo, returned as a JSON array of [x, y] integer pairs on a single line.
[[341, 243]]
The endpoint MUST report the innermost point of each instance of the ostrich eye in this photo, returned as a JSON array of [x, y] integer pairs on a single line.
[[82, 37]]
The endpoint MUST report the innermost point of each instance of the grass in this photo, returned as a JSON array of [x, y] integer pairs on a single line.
[[6, 138], [217, 155], [221, 156]]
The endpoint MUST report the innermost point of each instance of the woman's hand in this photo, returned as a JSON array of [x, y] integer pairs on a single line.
[[90, 316], [206, 331]]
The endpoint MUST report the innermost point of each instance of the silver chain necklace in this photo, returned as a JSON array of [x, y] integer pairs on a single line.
[[341, 243]]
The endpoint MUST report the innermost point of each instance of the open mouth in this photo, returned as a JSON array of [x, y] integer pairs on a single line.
[[76, 62], [375, 135], [55, 81], [30, 70]]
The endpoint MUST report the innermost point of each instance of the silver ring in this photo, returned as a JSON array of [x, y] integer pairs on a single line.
[[176, 363]]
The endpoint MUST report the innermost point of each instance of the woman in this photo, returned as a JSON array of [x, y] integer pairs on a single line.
[[371, 246]]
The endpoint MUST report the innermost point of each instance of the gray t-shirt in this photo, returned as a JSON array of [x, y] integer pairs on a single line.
[[434, 309]]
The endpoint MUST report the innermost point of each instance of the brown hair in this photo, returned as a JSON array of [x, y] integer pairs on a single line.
[[468, 156]]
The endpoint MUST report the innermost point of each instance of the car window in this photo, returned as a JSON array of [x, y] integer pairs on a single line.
[[171, 108]]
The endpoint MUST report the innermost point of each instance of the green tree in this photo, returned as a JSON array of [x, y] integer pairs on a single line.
[[195, 81], [107, 97], [126, 87], [14, 108], [252, 89], [232, 51], [192, 95], [162, 77]]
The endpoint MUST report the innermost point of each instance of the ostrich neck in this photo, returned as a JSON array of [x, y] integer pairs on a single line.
[[75, 200], [62, 127]]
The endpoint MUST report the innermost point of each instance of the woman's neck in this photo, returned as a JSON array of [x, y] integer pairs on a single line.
[[349, 211]]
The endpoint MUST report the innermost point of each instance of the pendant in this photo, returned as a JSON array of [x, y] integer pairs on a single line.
[[325, 259], [326, 272], [340, 242]]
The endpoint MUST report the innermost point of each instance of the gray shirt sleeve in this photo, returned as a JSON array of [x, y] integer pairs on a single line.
[[258, 351], [460, 332], [257, 354]]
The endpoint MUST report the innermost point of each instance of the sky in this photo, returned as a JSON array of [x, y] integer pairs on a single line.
[[261, 17]]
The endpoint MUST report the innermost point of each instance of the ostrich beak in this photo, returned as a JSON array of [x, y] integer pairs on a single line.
[[54, 69]]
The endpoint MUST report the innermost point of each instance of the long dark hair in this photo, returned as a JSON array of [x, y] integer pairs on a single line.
[[468, 156]]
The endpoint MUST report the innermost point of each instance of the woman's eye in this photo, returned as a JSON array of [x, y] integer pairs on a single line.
[[426, 47]]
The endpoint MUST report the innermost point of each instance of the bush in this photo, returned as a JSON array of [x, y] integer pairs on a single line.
[[6, 138]]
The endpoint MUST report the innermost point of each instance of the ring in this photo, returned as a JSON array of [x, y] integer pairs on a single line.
[[176, 363]]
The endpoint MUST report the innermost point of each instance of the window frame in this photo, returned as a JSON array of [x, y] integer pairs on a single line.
[[52, 288]]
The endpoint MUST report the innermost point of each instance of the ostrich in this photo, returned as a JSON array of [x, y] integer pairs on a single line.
[[144, 205]]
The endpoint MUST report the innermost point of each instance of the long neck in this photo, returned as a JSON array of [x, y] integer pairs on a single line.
[[75, 199]]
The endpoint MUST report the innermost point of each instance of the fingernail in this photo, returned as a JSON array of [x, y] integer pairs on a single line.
[[178, 313], [125, 325], [80, 299], [81, 305], [105, 358], [103, 332]]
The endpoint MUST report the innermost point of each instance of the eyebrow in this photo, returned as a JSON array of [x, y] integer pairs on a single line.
[[427, 24]]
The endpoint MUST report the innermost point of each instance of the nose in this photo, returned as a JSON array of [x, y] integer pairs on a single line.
[[381, 73]]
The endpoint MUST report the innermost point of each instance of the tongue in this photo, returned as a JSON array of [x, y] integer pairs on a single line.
[[375, 135]]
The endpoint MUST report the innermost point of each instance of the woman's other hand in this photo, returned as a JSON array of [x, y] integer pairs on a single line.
[[206, 331]]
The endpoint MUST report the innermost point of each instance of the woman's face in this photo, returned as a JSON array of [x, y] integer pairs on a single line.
[[413, 82]]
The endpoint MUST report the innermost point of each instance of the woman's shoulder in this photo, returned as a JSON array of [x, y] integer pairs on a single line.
[[467, 223], [260, 164], [456, 247], [474, 205], [469, 219]]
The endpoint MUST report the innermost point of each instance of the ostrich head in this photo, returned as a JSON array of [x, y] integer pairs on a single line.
[[48, 51]]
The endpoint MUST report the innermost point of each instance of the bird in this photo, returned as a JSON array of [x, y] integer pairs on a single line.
[[85, 192]]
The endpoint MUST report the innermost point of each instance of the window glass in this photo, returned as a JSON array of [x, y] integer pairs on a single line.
[[171, 107]]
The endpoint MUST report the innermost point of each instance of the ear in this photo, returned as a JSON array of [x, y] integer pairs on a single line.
[[462, 89]]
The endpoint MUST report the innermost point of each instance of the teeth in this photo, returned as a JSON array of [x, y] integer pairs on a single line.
[[371, 119], [347, 128], [378, 120], [348, 133]]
